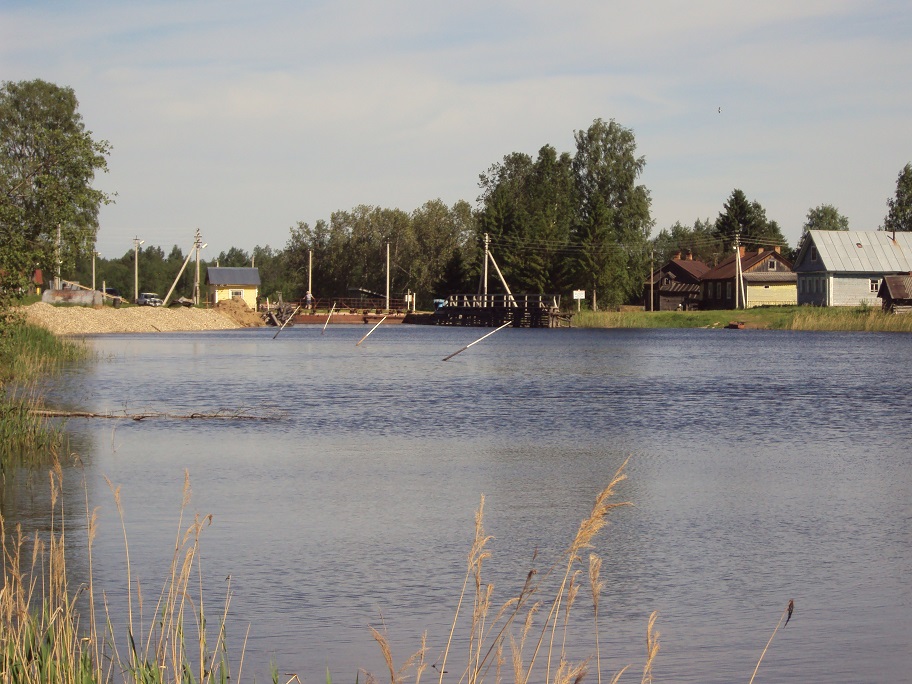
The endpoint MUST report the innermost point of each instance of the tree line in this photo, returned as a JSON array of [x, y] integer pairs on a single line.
[[555, 222]]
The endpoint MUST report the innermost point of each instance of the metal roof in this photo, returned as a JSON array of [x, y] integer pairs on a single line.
[[225, 275], [859, 251], [896, 287]]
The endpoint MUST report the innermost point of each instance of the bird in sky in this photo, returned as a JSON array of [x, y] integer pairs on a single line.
[[720, 110]]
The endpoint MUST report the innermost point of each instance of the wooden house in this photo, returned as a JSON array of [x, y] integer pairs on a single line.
[[228, 282], [675, 286], [896, 293], [847, 267], [767, 280]]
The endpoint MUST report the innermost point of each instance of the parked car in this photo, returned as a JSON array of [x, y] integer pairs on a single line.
[[149, 299]]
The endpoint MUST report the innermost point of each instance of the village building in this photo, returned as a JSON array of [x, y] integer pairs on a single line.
[[676, 285], [896, 293], [767, 279], [229, 282], [847, 267]]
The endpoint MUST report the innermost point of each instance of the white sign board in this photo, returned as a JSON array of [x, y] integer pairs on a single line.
[[579, 294]]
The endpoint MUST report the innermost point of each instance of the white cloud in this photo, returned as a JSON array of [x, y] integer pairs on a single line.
[[242, 118]]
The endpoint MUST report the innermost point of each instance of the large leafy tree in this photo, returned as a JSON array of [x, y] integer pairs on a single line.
[[825, 217], [528, 209], [48, 161], [746, 221], [899, 207], [613, 220]]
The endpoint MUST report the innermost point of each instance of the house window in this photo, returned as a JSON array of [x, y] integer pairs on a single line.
[[813, 254], [728, 290], [718, 290], [237, 293], [772, 264], [875, 284]]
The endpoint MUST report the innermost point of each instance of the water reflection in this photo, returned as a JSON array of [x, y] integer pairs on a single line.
[[760, 472]]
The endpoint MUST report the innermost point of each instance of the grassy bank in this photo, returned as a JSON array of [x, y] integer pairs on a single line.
[[28, 352], [766, 318]]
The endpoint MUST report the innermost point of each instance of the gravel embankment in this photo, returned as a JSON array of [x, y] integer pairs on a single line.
[[80, 320]]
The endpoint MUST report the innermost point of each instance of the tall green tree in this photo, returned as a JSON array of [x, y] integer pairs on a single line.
[[528, 211], [48, 161], [700, 241], [613, 219], [825, 217], [899, 207], [747, 221]]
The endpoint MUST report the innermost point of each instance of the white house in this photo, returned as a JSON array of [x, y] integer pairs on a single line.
[[846, 267]]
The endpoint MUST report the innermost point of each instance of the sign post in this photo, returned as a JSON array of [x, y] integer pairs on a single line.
[[579, 296]]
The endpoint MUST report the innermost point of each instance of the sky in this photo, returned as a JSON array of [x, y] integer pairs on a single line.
[[242, 118]]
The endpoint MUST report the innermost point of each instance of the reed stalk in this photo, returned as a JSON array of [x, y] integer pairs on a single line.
[[489, 634], [44, 638], [786, 615]]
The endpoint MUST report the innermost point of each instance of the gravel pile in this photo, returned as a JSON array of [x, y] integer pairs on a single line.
[[81, 320]]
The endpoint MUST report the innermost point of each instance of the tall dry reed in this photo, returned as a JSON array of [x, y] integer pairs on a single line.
[[53, 632], [532, 628]]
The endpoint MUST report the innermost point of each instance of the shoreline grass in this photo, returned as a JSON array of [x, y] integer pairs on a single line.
[[50, 632], [859, 318], [28, 352]]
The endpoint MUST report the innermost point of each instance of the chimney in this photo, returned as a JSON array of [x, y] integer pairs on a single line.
[[677, 256], [741, 251], [759, 250], [690, 255], [778, 249]]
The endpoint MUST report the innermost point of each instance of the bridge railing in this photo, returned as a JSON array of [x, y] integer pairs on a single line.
[[504, 301]]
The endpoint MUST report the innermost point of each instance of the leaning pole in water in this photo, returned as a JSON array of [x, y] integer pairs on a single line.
[[328, 317], [286, 322], [370, 331], [478, 340]]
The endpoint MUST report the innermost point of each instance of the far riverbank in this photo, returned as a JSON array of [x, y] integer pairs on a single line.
[[859, 318]]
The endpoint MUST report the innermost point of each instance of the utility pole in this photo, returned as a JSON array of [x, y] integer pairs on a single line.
[[652, 256], [387, 275], [310, 265], [136, 243], [487, 252], [197, 246], [57, 277], [94, 254], [737, 269]]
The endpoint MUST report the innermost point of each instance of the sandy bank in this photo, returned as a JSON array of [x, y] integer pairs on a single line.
[[78, 320]]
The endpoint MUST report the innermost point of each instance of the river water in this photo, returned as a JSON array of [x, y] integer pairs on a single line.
[[764, 466]]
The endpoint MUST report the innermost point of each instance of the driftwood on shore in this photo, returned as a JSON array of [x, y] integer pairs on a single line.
[[224, 415]]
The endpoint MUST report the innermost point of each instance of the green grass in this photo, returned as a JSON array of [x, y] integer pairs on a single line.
[[859, 318], [28, 352]]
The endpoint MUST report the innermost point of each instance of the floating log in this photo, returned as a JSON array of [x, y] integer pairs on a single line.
[[222, 415]]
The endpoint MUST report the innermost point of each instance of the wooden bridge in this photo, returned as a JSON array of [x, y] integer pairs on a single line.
[[492, 311]]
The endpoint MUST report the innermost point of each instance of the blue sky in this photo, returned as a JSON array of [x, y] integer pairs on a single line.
[[242, 118]]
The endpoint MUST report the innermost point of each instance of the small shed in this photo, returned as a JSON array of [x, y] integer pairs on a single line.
[[229, 282], [896, 293]]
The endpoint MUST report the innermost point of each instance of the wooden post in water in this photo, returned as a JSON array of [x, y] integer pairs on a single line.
[[478, 340], [328, 317], [370, 331], [286, 321]]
